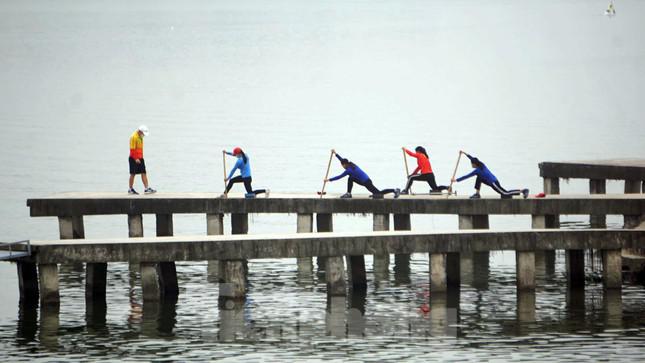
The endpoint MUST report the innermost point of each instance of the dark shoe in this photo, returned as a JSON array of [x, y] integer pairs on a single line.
[[346, 196], [149, 190], [404, 192], [475, 196], [435, 191], [249, 195], [132, 191], [397, 192], [525, 193]]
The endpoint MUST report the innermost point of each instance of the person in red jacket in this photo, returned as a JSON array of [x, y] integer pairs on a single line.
[[423, 172], [137, 164]]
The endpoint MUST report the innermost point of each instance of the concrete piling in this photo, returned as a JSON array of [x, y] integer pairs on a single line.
[[167, 269], [48, 284], [575, 261], [324, 223], [612, 269], [526, 306], [402, 222], [381, 264], [214, 227], [232, 287], [598, 186], [135, 225], [150, 281], [525, 270], [27, 282], [551, 185], [305, 224], [438, 279], [335, 274], [95, 280], [633, 186], [240, 225], [475, 262], [356, 272]]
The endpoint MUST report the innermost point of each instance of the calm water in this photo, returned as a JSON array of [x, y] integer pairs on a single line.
[[514, 82]]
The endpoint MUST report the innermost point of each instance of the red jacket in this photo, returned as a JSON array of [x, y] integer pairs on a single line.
[[423, 163]]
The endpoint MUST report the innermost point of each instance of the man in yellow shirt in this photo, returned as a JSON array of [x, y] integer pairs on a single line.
[[137, 164]]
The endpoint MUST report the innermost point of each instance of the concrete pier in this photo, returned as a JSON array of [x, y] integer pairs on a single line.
[[232, 288], [214, 227], [438, 279], [95, 280], [525, 270], [305, 224], [335, 275], [612, 269], [135, 225], [575, 260], [474, 263], [27, 282], [324, 223], [167, 269], [381, 264], [598, 186], [48, 284], [402, 222]]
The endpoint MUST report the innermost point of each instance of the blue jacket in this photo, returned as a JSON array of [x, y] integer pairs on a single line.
[[482, 172], [353, 172], [245, 168]]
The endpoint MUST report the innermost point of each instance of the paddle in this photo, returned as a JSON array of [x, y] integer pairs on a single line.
[[454, 173], [322, 192]]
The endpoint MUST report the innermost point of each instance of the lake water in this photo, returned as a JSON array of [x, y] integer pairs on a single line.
[[513, 82]]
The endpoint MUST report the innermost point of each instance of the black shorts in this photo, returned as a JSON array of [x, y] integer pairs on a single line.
[[137, 168]]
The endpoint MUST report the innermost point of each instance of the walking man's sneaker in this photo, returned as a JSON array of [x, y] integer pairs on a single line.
[[475, 196], [132, 191], [149, 190], [397, 192], [346, 196], [525, 193]]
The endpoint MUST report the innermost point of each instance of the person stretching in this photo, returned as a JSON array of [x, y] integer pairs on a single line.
[[358, 176], [244, 165], [485, 176], [424, 170]]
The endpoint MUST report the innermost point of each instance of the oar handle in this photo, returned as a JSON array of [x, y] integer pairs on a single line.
[[224, 164], [454, 173], [322, 191]]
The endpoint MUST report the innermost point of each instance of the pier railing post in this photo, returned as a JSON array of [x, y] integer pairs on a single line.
[[598, 186], [324, 223], [402, 222], [612, 268], [305, 224], [381, 264], [214, 226]]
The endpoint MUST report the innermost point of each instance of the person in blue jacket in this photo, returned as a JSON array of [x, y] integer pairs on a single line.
[[358, 176], [244, 166], [486, 177]]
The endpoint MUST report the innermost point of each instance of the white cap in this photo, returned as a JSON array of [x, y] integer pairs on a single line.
[[144, 129]]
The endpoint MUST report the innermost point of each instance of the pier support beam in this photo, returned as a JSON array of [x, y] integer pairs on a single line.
[[438, 279], [545, 258], [135, 225], [28, 283], [633, 186], [150, 281], [240, 225], [324, 223], [71, 227], [167, 269], [551, 185], [612, 269], [305, 224], [95, 281], [476, 264], [335, 274], [381, 264], [214, 227], [48, 284], [598, 186], [232, 287], [575, 261], [356, 272], [402, 260], [525, 270]]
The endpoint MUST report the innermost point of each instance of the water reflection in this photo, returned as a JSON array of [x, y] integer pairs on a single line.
[[444, 313], [474, 269], [402, 269], [27, 322], [49, 326], [95, 316], [159, 318], [231, 323], [613, 306]]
